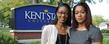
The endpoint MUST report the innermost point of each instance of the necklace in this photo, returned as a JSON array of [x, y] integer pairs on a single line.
[[60, 42]]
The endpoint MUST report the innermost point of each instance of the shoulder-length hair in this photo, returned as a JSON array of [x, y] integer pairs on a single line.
[[88, 19], [68, 21]]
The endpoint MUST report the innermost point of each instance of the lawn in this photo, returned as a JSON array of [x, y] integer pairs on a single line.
[[105, 38], [106, 41]]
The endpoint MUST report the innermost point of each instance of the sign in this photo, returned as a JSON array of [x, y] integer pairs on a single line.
[[33, 17]]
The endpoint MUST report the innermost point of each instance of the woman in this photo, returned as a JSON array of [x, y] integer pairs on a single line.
[[83, 31], [57, 33]]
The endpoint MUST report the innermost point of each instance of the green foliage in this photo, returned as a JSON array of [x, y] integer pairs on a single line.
[[52, 2], [105, 31], [106, 41], [5, 9], [5, 38], [97, 20], [91, 1]]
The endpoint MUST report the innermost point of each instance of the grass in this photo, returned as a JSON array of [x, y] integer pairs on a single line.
[[105, 38], [37, 42], [106, 41]]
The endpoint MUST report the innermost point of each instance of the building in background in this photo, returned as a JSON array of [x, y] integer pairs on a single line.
[[104, 25]]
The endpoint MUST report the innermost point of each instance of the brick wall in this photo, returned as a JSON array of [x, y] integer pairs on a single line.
[[26, 35]]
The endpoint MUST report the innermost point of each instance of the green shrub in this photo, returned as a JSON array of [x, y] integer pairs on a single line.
[[105, 31], [5, 38], [105, 35], [106, 41]]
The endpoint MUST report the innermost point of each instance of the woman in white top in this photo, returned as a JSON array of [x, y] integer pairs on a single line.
[[57, 33]]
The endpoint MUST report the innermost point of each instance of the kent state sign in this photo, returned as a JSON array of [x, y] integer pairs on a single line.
[[34, 16]]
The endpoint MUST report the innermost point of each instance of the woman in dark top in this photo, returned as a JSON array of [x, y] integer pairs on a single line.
[[83, 31], [63, 12], [62, 39]]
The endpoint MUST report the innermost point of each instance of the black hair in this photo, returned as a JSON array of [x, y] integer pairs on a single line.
[[68, 21]]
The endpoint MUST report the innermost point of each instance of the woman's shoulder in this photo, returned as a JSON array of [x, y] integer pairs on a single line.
[[94, 28], [49, 26], [72, 29]]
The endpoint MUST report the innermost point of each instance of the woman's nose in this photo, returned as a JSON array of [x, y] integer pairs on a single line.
[[63, 15], [79, 14]]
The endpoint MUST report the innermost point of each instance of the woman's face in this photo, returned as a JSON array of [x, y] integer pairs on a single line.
[[62, 14], [80, 14]]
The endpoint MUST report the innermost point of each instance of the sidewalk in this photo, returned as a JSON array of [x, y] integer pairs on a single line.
[[27, 41]]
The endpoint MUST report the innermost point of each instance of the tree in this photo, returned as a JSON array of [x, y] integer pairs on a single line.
[[97, 20], [5, 9], [90, 1]]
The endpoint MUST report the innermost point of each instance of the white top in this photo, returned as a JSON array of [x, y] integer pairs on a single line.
[[49, 34]]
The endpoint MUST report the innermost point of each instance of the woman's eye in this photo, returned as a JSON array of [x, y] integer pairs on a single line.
[[83, 12], [76, 13]]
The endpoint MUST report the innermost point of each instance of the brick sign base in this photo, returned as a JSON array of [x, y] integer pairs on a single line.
[[26, 34]]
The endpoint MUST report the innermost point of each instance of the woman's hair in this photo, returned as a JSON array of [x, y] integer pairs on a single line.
[[68, 21], [88, 19]]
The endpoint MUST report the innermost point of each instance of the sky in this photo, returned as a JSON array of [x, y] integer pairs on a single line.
[[100, 8]]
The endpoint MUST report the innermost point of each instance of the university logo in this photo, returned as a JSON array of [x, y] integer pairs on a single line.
[[34, 16]]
